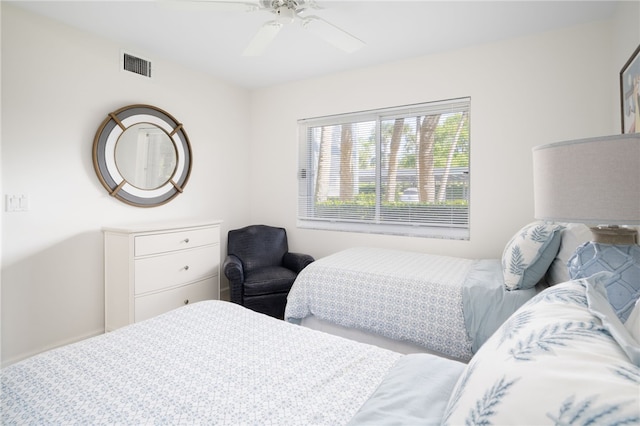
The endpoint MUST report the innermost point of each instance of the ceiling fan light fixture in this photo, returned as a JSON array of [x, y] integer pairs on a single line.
[[285, 15], [286, 12]]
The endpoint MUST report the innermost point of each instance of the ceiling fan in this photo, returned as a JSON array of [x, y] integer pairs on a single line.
[[286, 12]]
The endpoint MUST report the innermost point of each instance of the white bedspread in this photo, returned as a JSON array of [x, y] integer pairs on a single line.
[[207, 363], [401, 295]]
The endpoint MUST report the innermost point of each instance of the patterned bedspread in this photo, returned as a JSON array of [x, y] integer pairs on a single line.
[[207, 363], [217, 363], [401, 295]]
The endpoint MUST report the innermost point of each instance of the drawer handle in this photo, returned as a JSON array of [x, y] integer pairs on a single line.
[[186, 267], [186, 240], [186, 301]]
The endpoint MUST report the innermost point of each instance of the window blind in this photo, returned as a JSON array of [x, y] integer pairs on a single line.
[[401, 170]]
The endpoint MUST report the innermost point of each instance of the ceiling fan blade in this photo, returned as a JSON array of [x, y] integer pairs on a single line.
[[334, 35], [215, 5], [311, 4], [263, 37]]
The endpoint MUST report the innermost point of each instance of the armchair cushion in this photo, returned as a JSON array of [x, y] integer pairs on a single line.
[[268, 280]]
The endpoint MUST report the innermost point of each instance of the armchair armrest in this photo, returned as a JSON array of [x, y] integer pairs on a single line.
[[296, 261], [234, 271], [232, 268]]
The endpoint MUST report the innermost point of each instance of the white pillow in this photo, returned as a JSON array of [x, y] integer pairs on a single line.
[[599, 306], [633, 322], [572, 236], [529, 253], [551, 363]]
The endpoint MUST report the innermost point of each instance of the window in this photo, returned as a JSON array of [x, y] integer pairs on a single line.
[[401, 170]]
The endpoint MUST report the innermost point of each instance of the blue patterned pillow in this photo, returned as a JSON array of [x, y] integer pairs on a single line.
[[557, 352], [623, 287], [529, 254]]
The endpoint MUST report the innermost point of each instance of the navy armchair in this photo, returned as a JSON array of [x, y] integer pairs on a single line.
[[260, 268]]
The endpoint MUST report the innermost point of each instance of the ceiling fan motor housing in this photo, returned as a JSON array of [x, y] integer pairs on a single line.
[[287, 12], [295, 6]]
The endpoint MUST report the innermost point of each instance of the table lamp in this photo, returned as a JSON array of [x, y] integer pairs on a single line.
[[596, 181]]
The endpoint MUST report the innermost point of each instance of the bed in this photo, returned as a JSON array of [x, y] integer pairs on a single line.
[[214, 362], [210, 362], [416, 302]]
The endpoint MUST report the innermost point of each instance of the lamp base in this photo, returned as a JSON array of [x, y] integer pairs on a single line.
[[623, 260], [613, 234]]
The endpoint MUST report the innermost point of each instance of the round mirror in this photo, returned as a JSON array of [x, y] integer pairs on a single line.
[[142, 155], [145, 156]]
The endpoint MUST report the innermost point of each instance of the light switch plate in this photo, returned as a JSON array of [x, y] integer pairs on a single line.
[[16, 203]]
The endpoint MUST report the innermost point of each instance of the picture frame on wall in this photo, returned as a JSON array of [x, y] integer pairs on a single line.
[[630, 94]]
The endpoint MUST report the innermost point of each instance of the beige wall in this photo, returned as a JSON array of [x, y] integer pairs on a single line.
[[626, 39], [58, 84], [524, 92]]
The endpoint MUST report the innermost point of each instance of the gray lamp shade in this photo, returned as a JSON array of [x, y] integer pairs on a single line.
[[594, 181]]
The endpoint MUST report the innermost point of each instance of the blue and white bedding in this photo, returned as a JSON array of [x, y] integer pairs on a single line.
[[562, 358], [215, 363], [447, 305], [486, 303]]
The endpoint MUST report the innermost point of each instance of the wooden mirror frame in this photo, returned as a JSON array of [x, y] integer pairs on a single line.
[[104, 162]]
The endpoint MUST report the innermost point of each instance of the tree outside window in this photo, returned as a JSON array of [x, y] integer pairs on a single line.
[[398, 170]]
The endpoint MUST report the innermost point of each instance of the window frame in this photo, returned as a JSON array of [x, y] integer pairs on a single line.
[[307, 173]]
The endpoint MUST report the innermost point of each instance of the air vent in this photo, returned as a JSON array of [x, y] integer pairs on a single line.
[[136, 65]]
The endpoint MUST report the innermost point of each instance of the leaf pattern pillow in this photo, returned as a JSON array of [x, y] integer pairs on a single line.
[[633, 322], [552, 363], [529, 254]]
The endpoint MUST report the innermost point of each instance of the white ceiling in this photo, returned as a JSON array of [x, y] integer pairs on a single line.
[[213, 41]]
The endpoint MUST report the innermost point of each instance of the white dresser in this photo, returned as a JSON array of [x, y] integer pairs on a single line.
[[153, 268]]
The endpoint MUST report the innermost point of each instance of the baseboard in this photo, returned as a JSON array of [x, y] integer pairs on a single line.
[[224, 294], [13, 360]]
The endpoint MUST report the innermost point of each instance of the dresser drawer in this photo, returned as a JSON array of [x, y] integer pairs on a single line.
[[158, 272], [150, 268], [155, 304], [172, 241]]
